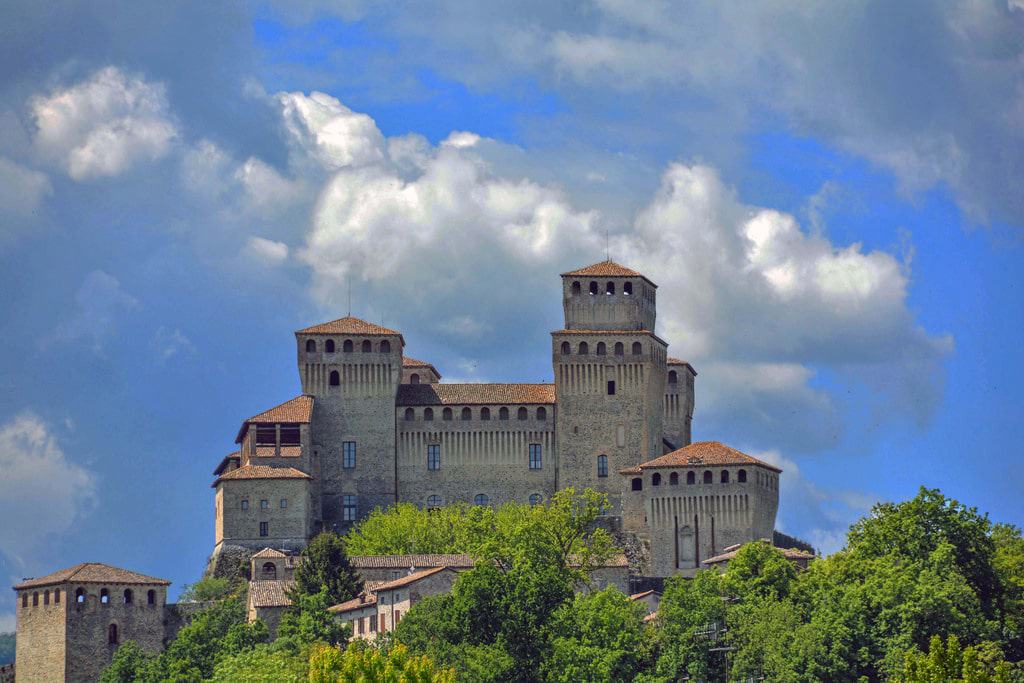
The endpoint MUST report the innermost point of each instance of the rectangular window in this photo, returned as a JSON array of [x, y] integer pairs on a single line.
[[611, 387], [434, 456], [373, 625], [535, 456], [383, 626], [348, 454], [348, 508], [290, 435], [264, 505], [264, 529], [398, 615], [284, 503], [362, 625], [245, 504], [266, 435]]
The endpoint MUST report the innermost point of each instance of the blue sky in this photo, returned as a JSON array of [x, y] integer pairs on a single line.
[[829, 201]]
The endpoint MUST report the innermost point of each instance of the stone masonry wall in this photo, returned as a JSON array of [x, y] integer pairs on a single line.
[[288, 527], [39, 647]]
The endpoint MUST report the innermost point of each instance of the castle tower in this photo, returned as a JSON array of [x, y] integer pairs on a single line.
[[72, 621], [610, 375], [352, 368]]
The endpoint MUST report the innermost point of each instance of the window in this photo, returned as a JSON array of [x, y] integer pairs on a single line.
[[433, 501], [264, 529], [35, 599], [611, 387], [467, 414], [619, 348], [741, 476], [335, 378], [707, 477], [428, 414], [112, 634], [151, 597], [485, 413], [385, 346], [602, 465], [373, 624], [601, 349], [245, 503], [310, 346], [593, 288], [291, 435], [383, 624], [433, 456], [270, 571], [104, 597], [24, 599], [362, 625], [673, 479], [656, 480], [264, 504], [367, 346], [446, 414], [542, 413], [414, 378], [410, 414], [522, 413], [584, 349], [638, 348], [79, 595], [266, 435], [348, 454], [609, 288], [725, 476], [329, 346], [284, 503], [637, 484], [536, 457], [535, 499], [627, 288], [398, 615], [691, 478], [347, 346], [673, 377], [46, 597], [56, 596], [348, 508], [566, 348], [480, 499], [503, 414], [576, 289], [128, 596]]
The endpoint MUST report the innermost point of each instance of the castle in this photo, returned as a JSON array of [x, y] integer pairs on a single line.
[[373, 427]]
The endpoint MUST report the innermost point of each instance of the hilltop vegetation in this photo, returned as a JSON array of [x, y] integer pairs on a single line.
[[6, 648], [925, 591]]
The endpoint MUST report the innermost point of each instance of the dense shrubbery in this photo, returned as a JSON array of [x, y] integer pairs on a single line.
[[925, 591]]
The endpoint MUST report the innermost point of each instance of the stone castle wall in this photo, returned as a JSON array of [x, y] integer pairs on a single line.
[[287, 527]]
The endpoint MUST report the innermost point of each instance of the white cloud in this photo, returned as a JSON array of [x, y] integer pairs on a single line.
[[170, 343], [330, 132], [266, 251], [100, 302], [21, 191], [104, 125], [42, 492], [265, 188]]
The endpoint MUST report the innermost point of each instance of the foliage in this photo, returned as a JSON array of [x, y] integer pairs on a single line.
[[210, 589], [263, 663], [127, 665], [325, 567], [6, 648], [405, 529], [950, 663], [307, 621], [361, 662]]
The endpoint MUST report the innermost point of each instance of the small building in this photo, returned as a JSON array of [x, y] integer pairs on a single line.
[[801, 558], [650, 599], [380, 607], [267, 602]]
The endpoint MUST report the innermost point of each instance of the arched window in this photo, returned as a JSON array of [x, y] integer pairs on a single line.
[[446, 414], [128, 596], [609, 288], [367, 346], [329, 346], [534, 499], [414, 378], [335, 378], [433, 501], [35, 599], [707, 477], [104, 596], [601, 350], [24, 599], [347, 346], [602, 465], [637, 484], [584, 349], [522, 413], [270, 571], [46, 597], [480, 499], [542, 413], [638, 348], [56, 596], [656, 480], [428, 414], [385, 346], [725, 476], [576, 289], [410, 414], [467, 414], [79, 595], [673, 378], [485, 413], [673, 479], [566, 348], [691, 478], [741, 476], [503, 413], [619, 348], [310, 346], [112, 634], [627, 288], [593, 288], [151, 597]]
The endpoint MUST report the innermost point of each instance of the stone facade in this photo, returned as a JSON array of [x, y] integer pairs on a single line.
[[380, 607]]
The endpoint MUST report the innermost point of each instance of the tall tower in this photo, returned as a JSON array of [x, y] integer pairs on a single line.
[[352, 368], [610, 374]]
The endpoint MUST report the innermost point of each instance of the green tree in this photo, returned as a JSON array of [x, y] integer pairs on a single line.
[[211, 589], [406, 529], [325, 567], [130, 663], [950, 663], [1009, 565], [308, 621], [691, 615], [361, 662], [262, 664], [758, 571]]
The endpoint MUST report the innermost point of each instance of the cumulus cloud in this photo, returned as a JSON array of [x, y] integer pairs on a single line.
[[266, 251], [41, 490], [331, 133], [104, 125], [21, 191], [100, 302]]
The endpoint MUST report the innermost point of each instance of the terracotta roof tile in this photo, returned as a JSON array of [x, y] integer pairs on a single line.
[[410, 578], [348, 325], [405, 561], [365, 600], [413, 363], [473, 394], [286, 451], [704, 453], [788, 553], [606, 268], [676, 361], [225, 461], [270, 593], [638, 596], [262, 472], [269, 552], [92, 572], [298, 409]]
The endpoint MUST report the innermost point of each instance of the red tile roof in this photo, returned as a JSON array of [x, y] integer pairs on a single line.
[[410, 578], [92, 572], [413, 363], [225, 462], [606, 268], [405, 561], [270, 593], [269, 552], [788, 553], [348, 325], [676, 361], [364, 600], [473, 394], [298, 409], [703, 454], [262, 472]]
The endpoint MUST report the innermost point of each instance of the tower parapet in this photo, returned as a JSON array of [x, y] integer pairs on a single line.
[[608, 296]]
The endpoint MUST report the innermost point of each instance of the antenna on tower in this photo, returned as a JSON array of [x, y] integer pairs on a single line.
[[350, 294], [607, 248]]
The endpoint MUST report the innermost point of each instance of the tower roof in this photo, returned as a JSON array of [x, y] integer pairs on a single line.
[[92, 572], [348, 325], [413, 363], [703, 454], [606, 268], [261, 472], [298, 409]]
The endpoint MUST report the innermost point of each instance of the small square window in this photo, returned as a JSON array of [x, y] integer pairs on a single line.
[[348, 508], [245, 503], [264, 505], [284, 503]]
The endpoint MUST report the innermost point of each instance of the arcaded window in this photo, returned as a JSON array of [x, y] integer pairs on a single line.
[[602, 465], [638, 348], [673, 378], [707, 477], [619, 349], [79, 595], [385, 346], [46, 597], [576, 289], [266, 435], [522, 413], [542, 413], [348, 454], [410, 414], [104, 596], [347, 347], [433, 456], [291, 434], [367, 346], [310, 346], [151, 597], [329, 346], [335, 378], [433, 502], [446, 414], [584, 349], [673, 479], [593, 288], [485, 413], [627, 288], [503, 413], [601, 349], [566, 348], [656, 480], [128, 596], [535, 499], [480, 499], [691, 478], [270, 571], [348, 508], [35, 599], [725, 476], [609, 288], [467, 414], [741, 476], [112, 634], [414, 378], [536, 456], [637, 484], [428, 414]]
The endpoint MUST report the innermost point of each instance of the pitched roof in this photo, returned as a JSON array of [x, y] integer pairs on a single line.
[[261, 472], [270, 593], [410, 578], [363, 600], [470, 394], [403, 561], [788, 553], [298, 409], [704, 453], [639, 596], [676, 361], [92, 572], [606, 268], [269, 552], [225, 461], [413, 363], [348, 325]]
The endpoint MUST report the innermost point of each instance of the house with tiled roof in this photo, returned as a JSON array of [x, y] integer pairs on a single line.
[[380, 607]]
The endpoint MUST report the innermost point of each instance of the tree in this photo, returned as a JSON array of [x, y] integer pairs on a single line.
[[128, 665], [1009, 566], [308, 621], [211, 589], [361, 662], [758, 571], [691, 615], [405, 529], [263, 663], [325, 567], [949, 663]]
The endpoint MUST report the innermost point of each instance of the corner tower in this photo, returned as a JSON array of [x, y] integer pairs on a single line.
[[610, 375]]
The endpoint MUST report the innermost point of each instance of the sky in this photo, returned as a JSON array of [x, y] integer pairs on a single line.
[[829, 199]]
